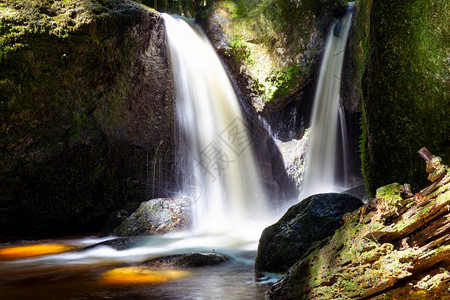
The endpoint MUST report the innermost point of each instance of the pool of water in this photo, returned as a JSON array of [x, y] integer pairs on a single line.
[[63, 269]]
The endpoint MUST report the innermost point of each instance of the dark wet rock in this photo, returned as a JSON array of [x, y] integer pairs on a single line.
[[188, 260], [117, 217], [85, 113], [304, 224], [156, 217]]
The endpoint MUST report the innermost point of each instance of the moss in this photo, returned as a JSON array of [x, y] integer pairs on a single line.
[[390, 193], [65, 73], [275, 41], [355, 264], [406, 92], [188, 8]]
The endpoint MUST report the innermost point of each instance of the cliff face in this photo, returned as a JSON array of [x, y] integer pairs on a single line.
[[395, 247], [272, 46], [85, 107], [405, 87]]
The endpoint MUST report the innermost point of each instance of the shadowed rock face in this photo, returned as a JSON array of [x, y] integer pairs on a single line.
[[85, 112], [405, 88], [304, 224]]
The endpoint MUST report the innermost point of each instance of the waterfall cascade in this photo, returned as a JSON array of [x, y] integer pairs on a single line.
[[215, 158], [321, 157]]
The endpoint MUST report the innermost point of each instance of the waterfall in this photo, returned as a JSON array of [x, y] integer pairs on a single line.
[[321, 157], [215, 159], [344, 146]]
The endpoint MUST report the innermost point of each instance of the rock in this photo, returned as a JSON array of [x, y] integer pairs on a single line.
[[86, 114], [122, 243], [304, 224], [405, 88], [293, 153], [397, 246], [189, 260], [272, 48], [156, 217], [117, 217]]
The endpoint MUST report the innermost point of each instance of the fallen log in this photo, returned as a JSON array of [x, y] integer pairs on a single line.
[[397, 246]]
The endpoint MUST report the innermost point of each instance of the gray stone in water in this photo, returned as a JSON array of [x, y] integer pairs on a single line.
[[156, 217], [187, 260], [304, 224]]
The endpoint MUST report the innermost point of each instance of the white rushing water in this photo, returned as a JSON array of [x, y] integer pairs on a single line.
[[215, 159], [321, 157]]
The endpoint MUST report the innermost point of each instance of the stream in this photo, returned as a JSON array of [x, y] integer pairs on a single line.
[[104, 273]]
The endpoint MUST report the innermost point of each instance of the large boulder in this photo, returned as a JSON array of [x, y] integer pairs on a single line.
[[86, 114], [156, 217], [304, 224]]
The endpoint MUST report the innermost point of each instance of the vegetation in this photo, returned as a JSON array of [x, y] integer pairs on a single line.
[[188, 8], [277, 42], [405, 89]]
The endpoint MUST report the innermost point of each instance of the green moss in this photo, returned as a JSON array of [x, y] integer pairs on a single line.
[[274, 41], [283, 82], [406, 91], [391, 194], [188, 8], [65, 74]]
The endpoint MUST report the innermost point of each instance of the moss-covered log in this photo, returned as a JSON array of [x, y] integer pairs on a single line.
[[395, 247], [85, 107]]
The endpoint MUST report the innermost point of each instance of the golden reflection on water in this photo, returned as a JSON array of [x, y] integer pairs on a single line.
[[26, 251], [133, 275]]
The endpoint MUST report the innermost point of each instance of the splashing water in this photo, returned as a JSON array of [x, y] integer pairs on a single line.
[[321, 157], [215, 158]]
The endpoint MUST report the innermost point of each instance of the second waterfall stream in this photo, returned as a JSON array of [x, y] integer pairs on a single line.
[[215, 161], [320, 176]]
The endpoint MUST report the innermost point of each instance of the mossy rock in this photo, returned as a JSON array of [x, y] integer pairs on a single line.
[[74, 77], [304, 224], [405, 89], [275, 45], [186, 8]]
